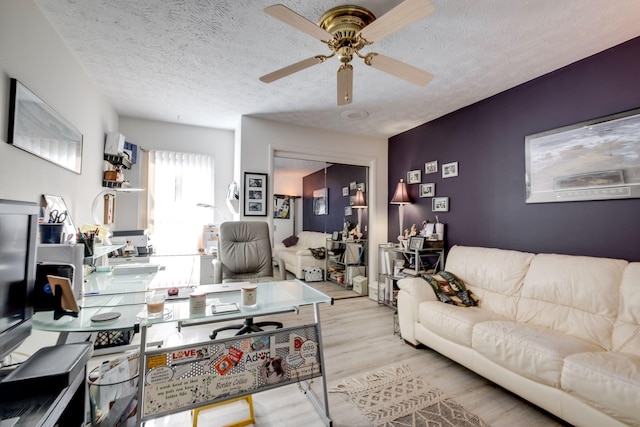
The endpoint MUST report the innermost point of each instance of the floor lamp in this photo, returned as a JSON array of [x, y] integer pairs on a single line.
[[359, 203], [401, 198]]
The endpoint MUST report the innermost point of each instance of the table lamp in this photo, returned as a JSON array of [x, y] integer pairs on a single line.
[[359, 203], [401, 198]]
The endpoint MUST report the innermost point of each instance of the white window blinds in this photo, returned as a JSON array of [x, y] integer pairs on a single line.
[[177, 182]]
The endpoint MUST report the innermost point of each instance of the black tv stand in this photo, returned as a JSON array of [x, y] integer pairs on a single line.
[[49, 388]]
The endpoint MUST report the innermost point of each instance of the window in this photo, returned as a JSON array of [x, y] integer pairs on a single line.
[[177, 183]]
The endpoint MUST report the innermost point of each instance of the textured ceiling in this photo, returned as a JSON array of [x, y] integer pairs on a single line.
[[198, 62]]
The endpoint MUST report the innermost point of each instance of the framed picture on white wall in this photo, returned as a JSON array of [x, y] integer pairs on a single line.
[[255, 194]]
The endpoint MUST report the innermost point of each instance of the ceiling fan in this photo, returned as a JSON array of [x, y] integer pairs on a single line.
[[348, 29]]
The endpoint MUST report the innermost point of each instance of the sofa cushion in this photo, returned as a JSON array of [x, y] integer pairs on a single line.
[[452, 322], [495, 276], [626, 331], [608, 381], [290, 241], [576, 295], [450, 289], [532, 351]]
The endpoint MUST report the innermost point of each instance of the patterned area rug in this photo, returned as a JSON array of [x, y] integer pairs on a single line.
[[396, 397]]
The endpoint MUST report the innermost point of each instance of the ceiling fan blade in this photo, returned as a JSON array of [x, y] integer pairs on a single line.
[[407, 12], [293, 68], [345, 84], [399, 69], [299, 22]]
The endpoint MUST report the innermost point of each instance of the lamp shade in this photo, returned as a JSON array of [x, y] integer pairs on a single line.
[[401, 196], [359, 202]]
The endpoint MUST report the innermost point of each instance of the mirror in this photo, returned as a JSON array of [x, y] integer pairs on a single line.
[[36, 128]]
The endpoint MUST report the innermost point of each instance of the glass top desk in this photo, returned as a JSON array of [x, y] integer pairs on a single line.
[[125, 294]]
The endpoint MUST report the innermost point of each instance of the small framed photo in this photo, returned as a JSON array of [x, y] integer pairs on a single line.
[[440, 204], [450, 170], [348, 211], [361, 186], [414, 176], [337, 235], [431, 167], [352, 185], [345, 191], [428, 190], [416, 243]]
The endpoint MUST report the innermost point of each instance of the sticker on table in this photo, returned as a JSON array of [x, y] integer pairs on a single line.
[[309, 351], [155, 361], [159, 375]]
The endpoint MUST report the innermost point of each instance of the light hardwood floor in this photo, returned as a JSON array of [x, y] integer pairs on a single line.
[[358, 337]]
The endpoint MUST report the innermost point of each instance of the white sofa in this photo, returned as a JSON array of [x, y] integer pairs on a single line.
[[560, 331], [298, 257]]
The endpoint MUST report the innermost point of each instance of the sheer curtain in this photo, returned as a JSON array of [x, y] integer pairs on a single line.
[[177, 183]]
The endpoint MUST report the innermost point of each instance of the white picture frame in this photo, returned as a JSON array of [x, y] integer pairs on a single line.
[[450, 170], [345, 191], [440, 204], [431, 167], [414, 176], [428, 190]]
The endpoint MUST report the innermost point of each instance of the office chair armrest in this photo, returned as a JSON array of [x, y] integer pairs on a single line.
[[217, 271], [282, 273]]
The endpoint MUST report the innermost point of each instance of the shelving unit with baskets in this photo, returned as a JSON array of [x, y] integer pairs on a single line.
[[345, 259], [395, 263], [118, 161]]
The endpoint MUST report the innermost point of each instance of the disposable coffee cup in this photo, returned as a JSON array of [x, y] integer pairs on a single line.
[[197, 302], [155, 306], [249, 296], [440, 230]]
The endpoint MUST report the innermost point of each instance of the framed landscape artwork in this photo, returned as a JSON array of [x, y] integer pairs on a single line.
[[321, 201], [592, 160], [255, 194]]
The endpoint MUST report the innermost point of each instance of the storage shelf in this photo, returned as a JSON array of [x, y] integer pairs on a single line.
[[118, 160], [387, 279], [351, 259]]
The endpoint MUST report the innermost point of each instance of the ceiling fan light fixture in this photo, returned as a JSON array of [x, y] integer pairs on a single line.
[[345, 84], [346, 30]]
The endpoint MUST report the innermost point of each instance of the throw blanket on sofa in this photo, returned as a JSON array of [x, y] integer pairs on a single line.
[[450, 289]]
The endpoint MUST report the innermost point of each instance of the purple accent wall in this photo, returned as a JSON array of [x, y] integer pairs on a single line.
[[337, 177], [487, 199]]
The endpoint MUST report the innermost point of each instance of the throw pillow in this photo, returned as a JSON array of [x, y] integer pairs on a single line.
[[318, 253], [290, 241], [450, 289]]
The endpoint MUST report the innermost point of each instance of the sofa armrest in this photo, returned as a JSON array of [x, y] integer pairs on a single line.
[[303, 252], [413, 291], [418, 289]]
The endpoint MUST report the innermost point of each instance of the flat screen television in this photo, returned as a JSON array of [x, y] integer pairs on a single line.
[[18, 234]]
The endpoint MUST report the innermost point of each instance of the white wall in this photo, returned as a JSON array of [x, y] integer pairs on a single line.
[[262, 138], [32, 52], [153, 135]]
